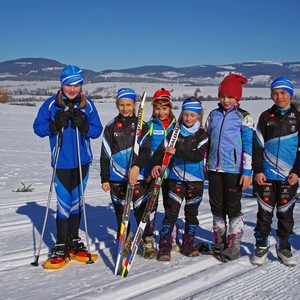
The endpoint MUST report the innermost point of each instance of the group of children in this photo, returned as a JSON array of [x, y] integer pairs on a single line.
[[226, 151]]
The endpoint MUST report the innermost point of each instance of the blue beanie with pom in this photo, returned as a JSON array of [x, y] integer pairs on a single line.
[[284, 84], [71, 75]]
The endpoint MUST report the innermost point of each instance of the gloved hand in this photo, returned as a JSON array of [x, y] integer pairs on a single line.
[[61, 120], [79, 119]]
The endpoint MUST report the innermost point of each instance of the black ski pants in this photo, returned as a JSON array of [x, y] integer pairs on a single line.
[[282, 196], [178, 191], [139, 200], [225, 194]]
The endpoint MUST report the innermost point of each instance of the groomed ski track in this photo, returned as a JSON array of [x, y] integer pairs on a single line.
[[182, 278]]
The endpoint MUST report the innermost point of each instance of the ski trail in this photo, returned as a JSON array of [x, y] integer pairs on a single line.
[[143, 281], [232, 281], [254, 283]]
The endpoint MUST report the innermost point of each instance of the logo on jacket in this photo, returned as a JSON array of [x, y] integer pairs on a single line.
[[157, 131], [119, 134], [292, 115]]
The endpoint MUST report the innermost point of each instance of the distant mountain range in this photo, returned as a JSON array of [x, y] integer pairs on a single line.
[[259, 74]]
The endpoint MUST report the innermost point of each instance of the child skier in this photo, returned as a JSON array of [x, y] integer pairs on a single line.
[[277, 169], [160, 124], [185, 179], [118, 139], [59, 117], [229, 165]]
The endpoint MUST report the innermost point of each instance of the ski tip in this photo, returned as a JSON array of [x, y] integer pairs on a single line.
[[124, 273], [222, 258], [117, 272]]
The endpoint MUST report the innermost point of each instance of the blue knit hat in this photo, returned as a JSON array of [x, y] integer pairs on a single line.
[[71, 75], [192, 105], [126, 93], [284, 84]]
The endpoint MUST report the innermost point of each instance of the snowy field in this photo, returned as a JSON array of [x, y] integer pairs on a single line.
[[109, 89], [25, 158]]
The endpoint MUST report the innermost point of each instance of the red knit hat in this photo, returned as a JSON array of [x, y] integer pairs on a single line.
[[232, 86]]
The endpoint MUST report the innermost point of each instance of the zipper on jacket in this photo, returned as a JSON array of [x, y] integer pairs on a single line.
[[219, 141], [235, 156], [278, 147]]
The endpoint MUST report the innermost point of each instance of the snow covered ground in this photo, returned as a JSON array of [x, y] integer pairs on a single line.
[[25, 158]]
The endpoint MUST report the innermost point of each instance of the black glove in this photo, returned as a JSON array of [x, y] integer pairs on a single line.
[[79, 119], [61, 121]]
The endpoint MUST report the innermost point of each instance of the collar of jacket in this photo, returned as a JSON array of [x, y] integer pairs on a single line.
[[232, 108]]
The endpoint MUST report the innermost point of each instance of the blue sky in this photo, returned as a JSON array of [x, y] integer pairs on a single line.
[[118, 34]]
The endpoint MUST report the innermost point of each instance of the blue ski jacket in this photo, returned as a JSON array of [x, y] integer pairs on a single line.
[[157, 133], [68, 156], [276, 144], [116, 151], [187, 164], [231, 139]]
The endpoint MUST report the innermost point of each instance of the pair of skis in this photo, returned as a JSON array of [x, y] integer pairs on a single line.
[[151, 201], [130, 189]]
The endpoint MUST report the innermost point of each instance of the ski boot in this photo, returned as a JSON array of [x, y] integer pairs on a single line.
[[260, 256], [165, 247], [149, 252], [232, 252], [283, 249], [59, 256], [60, 250], [76, 246], [286, 256], [188, 246], [219, 229], [79, 252]]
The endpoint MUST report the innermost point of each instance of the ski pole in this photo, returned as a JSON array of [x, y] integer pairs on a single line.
[[83, 199], [58, 147]]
